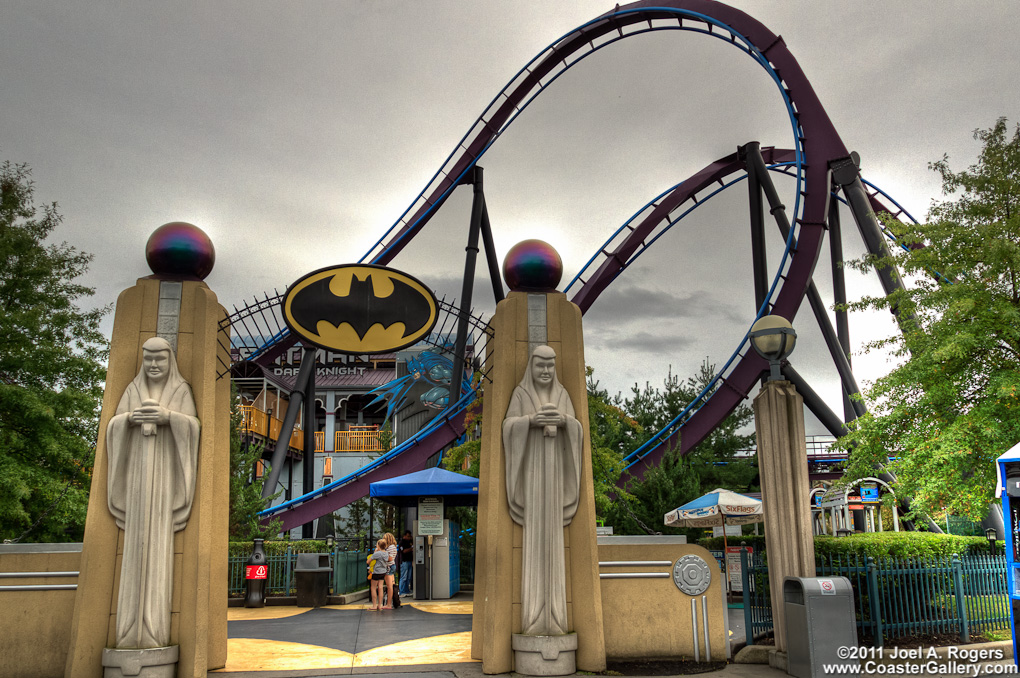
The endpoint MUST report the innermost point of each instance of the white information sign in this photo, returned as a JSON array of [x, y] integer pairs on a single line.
[[731, 531], [828, 587], [430, 515], [733, 567]]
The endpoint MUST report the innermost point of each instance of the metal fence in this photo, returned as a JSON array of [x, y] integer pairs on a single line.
[[349, 573], [467, 563], [898, 597]]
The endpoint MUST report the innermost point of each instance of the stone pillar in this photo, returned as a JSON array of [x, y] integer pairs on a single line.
[[785, 491], [519, 318], [199, 605]]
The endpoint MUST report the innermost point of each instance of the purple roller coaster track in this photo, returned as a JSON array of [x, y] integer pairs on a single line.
[[819, 161]]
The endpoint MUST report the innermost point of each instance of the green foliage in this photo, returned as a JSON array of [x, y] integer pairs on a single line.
[[677, 480], [454, 459], [672, 483], [613, 435], [245, 488], [51, 371], [875, 544], [356, 521], [386, 436], [952, 407], [361, 514], [277, 547]]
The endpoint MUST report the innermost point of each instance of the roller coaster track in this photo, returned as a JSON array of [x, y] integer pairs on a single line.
[[817, 150], [733, 382]]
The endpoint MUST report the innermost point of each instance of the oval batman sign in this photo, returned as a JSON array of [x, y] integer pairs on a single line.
[[359, 308]]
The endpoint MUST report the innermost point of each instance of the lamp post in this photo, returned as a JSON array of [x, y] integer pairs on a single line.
[[991, 536], [782, 464], [773, 338]]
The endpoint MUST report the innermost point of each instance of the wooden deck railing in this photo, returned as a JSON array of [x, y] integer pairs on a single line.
[[358, 439], [254, 420]]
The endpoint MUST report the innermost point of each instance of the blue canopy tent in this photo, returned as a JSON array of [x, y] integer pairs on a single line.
[[456, 489]]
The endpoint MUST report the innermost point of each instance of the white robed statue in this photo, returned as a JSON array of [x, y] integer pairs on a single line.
[[543, 441], [152, 443]]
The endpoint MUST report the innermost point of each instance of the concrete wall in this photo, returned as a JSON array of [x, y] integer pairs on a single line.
[[651, 617], [35, 626]]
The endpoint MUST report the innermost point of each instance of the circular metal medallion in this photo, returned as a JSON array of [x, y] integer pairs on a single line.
[[692, 575]]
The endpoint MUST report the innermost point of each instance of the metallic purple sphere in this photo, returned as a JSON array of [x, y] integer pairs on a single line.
[[180, 250], [532, 266]]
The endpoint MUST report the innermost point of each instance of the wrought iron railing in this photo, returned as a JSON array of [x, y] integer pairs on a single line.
[[899, 597]]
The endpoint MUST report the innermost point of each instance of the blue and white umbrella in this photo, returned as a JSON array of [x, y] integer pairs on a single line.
[[718, 507]]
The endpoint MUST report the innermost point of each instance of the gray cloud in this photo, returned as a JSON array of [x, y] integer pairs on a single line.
[[296, 133]]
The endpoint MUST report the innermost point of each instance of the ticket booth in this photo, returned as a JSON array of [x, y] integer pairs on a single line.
[[436, 538], [1008, 468]]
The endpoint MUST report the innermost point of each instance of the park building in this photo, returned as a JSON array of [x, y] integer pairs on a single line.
[[364, 405]]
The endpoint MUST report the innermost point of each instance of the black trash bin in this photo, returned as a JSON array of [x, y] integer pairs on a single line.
[[312, 576]]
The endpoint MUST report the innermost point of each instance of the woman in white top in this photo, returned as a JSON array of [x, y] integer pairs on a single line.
[[391, 549]]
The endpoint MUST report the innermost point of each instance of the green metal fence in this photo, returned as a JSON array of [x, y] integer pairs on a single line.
[[754, 576], [467, 562], [898, 597], [349, 573]]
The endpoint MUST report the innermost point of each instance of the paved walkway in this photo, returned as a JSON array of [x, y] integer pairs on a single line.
[[346, 637], [422, 639], [421, 636]]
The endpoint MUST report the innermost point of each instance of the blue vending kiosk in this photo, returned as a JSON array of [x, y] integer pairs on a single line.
[[1008, 467]]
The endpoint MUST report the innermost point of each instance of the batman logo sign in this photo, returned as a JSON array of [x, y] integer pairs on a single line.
[[359, 308]]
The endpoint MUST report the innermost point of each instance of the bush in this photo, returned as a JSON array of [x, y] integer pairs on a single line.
[[277, 547], [899, 545], [876, 545]]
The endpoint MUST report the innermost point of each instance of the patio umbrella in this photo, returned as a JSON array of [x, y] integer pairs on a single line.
[[718, 507]]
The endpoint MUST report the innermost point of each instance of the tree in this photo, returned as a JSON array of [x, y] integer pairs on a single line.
[[51, 374], [613, 435], [951, 407], [677, 479], [673, 482], [245, 485]]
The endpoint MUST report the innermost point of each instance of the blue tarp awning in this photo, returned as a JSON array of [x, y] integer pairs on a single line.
[[456, 489]]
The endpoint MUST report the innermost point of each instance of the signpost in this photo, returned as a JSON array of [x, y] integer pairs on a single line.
[[733, 566], [430, 516]]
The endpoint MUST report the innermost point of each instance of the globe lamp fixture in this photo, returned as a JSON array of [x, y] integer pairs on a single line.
[[773, 338]]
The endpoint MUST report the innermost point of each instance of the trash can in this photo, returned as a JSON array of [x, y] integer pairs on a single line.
[[312, 575], [820, 619]]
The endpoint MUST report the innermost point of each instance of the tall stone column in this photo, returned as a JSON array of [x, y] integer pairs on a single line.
[[522, 321], [183, 310], [785, 490]]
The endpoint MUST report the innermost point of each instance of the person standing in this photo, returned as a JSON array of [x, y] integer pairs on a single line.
[[406, 563], [380, 565], [391, 571]]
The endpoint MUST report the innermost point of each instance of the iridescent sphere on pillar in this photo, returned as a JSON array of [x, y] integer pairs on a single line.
[[532, 266], [180, 250]]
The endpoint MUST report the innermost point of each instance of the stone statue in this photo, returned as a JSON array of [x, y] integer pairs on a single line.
[[543, 442], [152, 443]]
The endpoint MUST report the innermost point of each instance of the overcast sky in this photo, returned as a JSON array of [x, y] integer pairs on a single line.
[[295, 133]]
